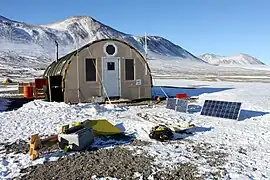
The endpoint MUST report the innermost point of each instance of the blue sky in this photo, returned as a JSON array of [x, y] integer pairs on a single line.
[[221, 27]]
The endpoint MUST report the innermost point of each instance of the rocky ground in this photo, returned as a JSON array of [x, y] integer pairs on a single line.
[[120, 162]]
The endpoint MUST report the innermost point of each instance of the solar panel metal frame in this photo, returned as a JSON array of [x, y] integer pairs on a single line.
[[221, 109], [171, 103], [178, 105], [181, 105]]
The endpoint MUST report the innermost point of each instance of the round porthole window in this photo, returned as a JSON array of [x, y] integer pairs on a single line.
[[110, 49]]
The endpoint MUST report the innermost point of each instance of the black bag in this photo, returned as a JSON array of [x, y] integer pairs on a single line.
[[161, 133]]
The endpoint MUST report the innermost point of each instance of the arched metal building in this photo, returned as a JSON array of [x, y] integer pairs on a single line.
[[103, 68]]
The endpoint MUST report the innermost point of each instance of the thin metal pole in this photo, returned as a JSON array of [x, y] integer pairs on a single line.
[[78, 71], [145, 44], [145, 50], [56, 43], [78, 74], [57, 52]]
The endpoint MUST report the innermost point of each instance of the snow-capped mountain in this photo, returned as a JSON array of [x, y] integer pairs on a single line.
[[2, 18], [77, 31], [26, 45], [239, 59]]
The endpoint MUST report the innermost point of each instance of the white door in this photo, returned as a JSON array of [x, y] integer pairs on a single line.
[[110, 76]]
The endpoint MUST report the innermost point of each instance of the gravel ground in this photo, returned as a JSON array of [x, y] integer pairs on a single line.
[[120, 162], [22, 146], [19, 146], [216, 159], [116, 162], [185, 171]]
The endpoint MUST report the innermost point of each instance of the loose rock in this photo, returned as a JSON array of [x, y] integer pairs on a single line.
[[118, 162]]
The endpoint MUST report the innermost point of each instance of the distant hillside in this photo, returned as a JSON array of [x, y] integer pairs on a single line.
[[240, 59]]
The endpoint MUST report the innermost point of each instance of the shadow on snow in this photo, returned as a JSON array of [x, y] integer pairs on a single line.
[[247, 114], [244, 114], [192, 108], [114, 141], [98, 143], [172, 91], [190, 132]]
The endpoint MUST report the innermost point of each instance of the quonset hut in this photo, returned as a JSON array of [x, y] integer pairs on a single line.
[[107, 68]]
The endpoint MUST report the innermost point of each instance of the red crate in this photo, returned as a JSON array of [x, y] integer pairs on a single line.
[[181, 96], [39, 83]]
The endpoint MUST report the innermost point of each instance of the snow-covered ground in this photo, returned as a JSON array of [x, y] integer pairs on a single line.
[[250, 133], [4, 88], [249, 66], [176, 69]]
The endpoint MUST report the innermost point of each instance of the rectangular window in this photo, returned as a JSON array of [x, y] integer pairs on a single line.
[[90, 69], [129, 69], [110, 66]]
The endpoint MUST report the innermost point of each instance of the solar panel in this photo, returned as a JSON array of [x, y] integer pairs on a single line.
[[171, 102], [221, 109], [177, 104], [181, 105]]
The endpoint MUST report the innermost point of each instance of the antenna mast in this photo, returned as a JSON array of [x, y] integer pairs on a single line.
[[145, 51], [145, 46], [78, 71]]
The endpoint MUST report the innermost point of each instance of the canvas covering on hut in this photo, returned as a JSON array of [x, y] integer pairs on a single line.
[[107, 68]]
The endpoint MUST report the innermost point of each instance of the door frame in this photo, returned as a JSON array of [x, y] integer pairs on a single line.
[[119, 74]]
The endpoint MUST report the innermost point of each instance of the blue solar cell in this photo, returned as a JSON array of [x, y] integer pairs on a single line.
[[221, 109]]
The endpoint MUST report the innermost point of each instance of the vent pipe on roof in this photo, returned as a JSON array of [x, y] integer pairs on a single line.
[[56, 43]]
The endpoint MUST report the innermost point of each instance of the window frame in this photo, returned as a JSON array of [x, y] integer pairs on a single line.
[[85, 69], [126, 69], [113, 65], [105, 47]]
